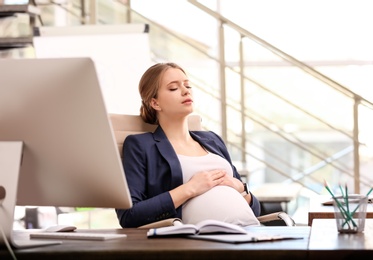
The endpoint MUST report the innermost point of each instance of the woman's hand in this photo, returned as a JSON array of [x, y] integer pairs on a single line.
[[233, 182], [237, 185], [204, 181], [197, 185]]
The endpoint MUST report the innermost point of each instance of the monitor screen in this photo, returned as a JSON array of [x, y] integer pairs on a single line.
[[70, 158]]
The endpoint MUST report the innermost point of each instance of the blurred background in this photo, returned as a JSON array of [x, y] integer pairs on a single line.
[[287, 84]]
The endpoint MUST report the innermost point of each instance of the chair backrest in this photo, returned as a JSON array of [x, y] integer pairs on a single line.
[[124, 125]]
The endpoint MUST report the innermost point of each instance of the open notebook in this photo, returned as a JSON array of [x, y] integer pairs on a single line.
[[218, 231]]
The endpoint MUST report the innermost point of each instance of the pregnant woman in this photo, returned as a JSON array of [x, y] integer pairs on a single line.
[[177, 173]]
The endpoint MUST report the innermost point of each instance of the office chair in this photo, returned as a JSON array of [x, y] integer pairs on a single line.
[[124, 125]]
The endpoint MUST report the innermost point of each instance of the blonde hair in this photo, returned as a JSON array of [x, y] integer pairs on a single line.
[[148, 88]]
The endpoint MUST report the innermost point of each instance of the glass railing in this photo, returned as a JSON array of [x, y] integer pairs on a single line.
[[305, 119]]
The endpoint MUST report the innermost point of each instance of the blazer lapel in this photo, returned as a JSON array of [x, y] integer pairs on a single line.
[[209, 144], [167, 151]]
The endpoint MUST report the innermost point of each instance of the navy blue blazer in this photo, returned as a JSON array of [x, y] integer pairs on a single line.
[[152, 169]]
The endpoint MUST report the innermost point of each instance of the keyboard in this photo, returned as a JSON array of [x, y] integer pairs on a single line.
[[76, 236]]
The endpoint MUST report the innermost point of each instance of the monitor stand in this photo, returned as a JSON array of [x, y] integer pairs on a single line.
[[10, 163]]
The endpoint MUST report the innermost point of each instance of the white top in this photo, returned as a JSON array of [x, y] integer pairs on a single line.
[[221, 202]]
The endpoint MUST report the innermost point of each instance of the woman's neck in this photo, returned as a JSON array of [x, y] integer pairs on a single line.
[[182, 142], [176, 131]]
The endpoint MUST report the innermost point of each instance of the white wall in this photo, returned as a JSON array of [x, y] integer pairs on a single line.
[[121, 54]]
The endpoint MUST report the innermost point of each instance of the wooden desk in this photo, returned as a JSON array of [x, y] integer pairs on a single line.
[[317, 210], [322, 241], [137, 246], [326, 242]]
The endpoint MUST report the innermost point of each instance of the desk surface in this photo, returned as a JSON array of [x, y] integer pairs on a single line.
[[137, 246], [322, 241], [317, 210], [325, 240]]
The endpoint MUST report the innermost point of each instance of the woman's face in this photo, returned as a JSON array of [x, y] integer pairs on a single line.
[[174, 97]]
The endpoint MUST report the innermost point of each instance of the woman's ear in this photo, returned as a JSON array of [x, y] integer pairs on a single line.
[[154, 104]]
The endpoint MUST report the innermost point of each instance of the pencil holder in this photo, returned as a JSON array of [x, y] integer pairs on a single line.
[[350, 213]]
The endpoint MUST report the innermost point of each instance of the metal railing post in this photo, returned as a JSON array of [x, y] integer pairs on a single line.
[[356, 144], [243, 102], [93, 12], [222, 83]]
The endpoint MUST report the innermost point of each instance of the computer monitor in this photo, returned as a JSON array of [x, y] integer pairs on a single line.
[[55, 108]]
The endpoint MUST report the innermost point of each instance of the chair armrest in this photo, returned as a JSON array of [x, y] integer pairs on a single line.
[[277, 216], [163, 223]]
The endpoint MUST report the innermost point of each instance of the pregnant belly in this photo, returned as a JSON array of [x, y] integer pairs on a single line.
[[221, 203]]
